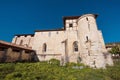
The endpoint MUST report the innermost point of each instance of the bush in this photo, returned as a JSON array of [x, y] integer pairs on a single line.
[[54, 62], [72, 64]]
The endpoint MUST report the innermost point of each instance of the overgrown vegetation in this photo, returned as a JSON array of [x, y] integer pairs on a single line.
[[115, 50], [52, 71]]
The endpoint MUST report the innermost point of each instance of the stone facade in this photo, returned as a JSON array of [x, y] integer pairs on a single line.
[[78, 41]]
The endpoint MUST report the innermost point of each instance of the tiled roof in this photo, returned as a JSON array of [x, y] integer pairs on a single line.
[[7, 44]]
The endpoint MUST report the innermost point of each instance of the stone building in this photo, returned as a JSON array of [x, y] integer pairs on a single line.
[[10, 52], [78, 41]]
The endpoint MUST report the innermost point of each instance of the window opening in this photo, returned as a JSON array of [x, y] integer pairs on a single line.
[[44, 47], [87, 39], [75, 46], [70, 25], [87, 18]]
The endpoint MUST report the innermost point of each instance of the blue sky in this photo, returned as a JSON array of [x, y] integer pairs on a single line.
[[25, 16]]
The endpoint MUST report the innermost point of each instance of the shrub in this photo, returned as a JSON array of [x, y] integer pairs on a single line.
[[72, 64], [54, 62]]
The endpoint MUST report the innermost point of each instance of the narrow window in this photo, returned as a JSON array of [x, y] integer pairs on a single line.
[[86, 38], [44, 47], [70, 25], [75, 46], [88, 23], [87, 18]]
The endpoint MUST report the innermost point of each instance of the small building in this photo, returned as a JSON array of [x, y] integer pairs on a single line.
[[78, 41], [10, 52]]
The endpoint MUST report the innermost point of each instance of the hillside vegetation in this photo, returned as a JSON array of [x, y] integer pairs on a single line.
[[53, 71]]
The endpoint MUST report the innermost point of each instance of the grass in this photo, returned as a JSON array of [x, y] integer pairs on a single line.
[[46, 71]]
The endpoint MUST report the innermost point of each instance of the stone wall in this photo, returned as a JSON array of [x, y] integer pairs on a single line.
[[26, 41], [60, 43], [13, 53]]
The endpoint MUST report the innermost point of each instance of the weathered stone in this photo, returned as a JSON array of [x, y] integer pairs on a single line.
[[80, 29]]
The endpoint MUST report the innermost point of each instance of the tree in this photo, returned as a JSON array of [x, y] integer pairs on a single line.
[[115, 50]]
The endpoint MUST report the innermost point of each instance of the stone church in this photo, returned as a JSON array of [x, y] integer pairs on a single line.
[[78, 41]]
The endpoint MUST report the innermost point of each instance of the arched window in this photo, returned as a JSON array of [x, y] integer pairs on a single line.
[[75, 46], [44, 47]]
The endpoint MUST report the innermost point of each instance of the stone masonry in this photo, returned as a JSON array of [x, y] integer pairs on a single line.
[[78, 41]]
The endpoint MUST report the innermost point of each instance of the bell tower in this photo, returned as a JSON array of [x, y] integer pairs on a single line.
[[91, 52], [70, 22]]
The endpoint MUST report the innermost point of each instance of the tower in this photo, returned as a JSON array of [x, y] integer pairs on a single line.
[[91, 50]]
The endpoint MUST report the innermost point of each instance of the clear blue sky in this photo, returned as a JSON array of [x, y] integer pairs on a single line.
[[25, 16]]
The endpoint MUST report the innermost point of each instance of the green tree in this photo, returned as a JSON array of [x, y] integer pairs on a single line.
[[115, 50]]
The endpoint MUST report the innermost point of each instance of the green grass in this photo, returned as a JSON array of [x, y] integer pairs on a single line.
[[45, 71]]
